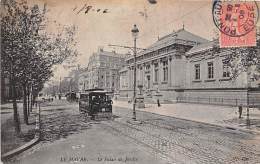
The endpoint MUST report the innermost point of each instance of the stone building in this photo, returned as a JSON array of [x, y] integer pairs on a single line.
[[5, 89], [181, 66], [102, 71], [161, 67], [83, 80], [208, 78]]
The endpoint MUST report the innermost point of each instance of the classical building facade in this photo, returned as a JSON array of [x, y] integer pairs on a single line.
[[102, 71], [182, 67], [208, 78]]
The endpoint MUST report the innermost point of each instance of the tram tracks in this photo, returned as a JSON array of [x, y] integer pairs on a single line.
[[175, 145], [212, 134], [140, 137], [167, 149]]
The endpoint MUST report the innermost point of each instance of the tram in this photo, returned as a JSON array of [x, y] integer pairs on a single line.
[[96, 103]]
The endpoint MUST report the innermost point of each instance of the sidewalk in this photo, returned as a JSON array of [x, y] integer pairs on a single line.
[[218, 115], [9, 139]]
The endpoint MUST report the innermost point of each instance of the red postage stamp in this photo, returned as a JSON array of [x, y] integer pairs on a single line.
[[236, 21]]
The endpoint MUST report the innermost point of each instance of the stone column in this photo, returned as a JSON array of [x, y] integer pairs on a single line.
[[169, 71], [152, 74], [142, 75], [160, 71]]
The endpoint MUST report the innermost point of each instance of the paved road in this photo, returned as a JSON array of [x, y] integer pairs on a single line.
[[69, 138], [183, 141]]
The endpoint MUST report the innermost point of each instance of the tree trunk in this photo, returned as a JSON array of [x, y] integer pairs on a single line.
[[16, 114], [31, 105], [28, 100], [25, 118]]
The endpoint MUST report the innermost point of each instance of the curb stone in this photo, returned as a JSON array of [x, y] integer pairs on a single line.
[[211, 124], [26, 146], [223, 126]]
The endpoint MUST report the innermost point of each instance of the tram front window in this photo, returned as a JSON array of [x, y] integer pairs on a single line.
[[99, 99]]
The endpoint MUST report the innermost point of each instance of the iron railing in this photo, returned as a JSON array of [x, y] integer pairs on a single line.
[[252, 102]]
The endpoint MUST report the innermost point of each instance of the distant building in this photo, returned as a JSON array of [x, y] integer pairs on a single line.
[[74, 78], [102, 71], [5, 89], [83, 82], [182, 67]]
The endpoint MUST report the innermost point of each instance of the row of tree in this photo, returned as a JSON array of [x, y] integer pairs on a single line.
[[241, 59], [29, 51]]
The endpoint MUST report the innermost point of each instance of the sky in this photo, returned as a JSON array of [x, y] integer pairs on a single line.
[[96, 28]]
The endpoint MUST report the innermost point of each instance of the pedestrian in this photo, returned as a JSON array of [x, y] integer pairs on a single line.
[[158, 103], [240, 109]]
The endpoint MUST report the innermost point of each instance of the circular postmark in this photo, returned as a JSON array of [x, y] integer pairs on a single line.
[[235, 18]]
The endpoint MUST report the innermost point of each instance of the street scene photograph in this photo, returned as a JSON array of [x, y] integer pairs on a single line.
[[130, 82]]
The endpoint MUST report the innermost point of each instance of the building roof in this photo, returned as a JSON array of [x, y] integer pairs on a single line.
[[201, 47], [108, 53], [208, 45], [181, 36], [123, 69]]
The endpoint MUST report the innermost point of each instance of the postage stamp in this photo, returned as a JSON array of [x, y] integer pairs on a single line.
[[236, 21]]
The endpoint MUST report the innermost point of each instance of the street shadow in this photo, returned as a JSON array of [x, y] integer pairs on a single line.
[[55, 126], [116, 116], [32, 123], [57, 109], [3, 112], [28, 136]]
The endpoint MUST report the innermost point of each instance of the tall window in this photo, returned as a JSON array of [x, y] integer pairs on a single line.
[[147, 67], [210, 70], [165, 71], [226, 72], [197, 71], [156, 72]]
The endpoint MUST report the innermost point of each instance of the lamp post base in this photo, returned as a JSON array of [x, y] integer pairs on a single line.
[[247, 118], [134, 122], [140, 101]]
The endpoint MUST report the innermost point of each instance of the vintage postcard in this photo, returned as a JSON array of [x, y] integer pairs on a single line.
[[130, 81]]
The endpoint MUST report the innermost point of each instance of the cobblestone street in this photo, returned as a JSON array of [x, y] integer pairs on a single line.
[[153, 139], [183, 141]]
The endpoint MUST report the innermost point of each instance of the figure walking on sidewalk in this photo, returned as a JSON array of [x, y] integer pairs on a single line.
[[158, 103], [240, 109]]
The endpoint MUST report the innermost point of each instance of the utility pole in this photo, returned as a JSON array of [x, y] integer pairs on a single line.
[[60, 86], [134, 103], [135, 32]]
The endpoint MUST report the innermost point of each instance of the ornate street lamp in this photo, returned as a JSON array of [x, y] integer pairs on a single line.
[[135, 32]]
